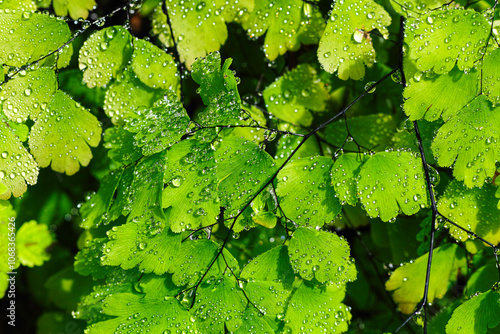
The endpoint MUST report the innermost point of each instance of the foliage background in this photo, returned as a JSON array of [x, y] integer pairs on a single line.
[[268, 75]]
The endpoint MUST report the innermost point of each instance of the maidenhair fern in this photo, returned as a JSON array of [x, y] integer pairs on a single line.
[[250, 167]]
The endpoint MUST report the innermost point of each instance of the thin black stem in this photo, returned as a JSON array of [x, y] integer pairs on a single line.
[[177, 56], [430, 192]]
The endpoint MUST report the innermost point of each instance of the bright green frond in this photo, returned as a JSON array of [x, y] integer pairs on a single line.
[[390, 183], [25, 5], [344, 172], [135, 312], [218, 89], [447, 37], [104, 55], [76, 8], [193, 259], [321, 255], [26, 37], [160, 127], [17, 166], [219, 304], [305, 192], [372, 132], [131, 245], [243, 168], [62, 134], [346, 46], [122, 146], [316, 309], [477, 315], [28, 94], [407, 281], [416, 7], [32, 241], [154, 67], [429, 98], [128, 94], [474, 209], [286, 24], [199, 27], [292, 96], [94, 211], [145, 194], [193, 200], [491, 75], [470, 142]]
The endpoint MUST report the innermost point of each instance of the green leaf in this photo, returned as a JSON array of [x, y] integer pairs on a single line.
[[193, 260], [160, 127], [218, 89], [76, 8], [269, 283], [193, 199], [13, 175], [255, 322], [305, 192], [32, 241], [243, 169], [118, 281], [470, 141], [285, 24], [483, 279], [343, 173], [390, 183], [362, 132], [28, 94], [473, 209], [131, 245], [219, 304], [199, 27], [122, 146], [345, 45], [314, 308], [424, 96], [154, 67], [271, 266], [121, 204], [66, 288], [24, 5], [321, 255], [407, 281], [95, 209], [491, 73], [476, 315], [104, 55], [135, 313], [62, 135], [26, 37], [446, 37], [144, 200], [17, 166], [88, 259], [288, 143], [128, 94], [295, 93]]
